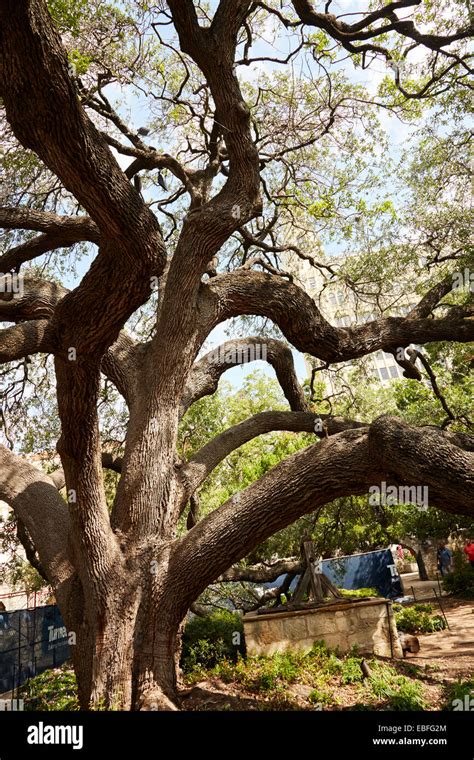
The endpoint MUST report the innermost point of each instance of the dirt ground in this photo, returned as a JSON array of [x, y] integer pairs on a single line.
[[444, 657], [449, 654]]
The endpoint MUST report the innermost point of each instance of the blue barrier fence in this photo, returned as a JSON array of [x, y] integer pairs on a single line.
[[375, 569], [31, 641]]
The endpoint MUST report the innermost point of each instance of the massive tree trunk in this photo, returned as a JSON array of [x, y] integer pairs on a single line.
[[125, 581], [124, 655]]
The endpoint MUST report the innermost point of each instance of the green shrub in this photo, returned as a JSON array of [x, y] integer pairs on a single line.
[[267, 673], [208, 640], [423, 607], [319, 650], [324, 671], [418, 619], [286, 666], [266, 682], [359, 593], [52, 690], [408, 697], [322, 698], [351, 671], [461, 581], [322, 661]]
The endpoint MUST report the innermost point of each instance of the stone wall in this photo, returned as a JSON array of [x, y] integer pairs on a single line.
[[369, 625]]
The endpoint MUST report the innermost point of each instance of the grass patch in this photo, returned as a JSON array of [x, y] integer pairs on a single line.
[[359, 593], [396, 692], [327, 674]]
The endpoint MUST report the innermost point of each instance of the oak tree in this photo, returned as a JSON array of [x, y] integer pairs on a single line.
[[259, 168]]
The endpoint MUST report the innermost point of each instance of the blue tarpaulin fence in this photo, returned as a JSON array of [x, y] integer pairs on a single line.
[[369, 570], [31, 641], [375, 569]]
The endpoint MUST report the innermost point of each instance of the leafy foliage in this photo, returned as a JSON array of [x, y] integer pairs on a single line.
[[207, 640], [459, 691], [324, 671], [460, 581], [359, 593], [398, 692], [418, 619], [52, 690]]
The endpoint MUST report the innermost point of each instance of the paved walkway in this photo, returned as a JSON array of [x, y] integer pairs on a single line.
[[423, 589], [451, 651]]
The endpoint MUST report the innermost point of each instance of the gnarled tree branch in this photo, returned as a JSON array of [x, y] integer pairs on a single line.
[[205, 374], [302, 323], [201, 464], [348, 463]]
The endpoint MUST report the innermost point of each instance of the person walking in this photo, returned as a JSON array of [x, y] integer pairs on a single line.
[[444, 559], [469, 551]]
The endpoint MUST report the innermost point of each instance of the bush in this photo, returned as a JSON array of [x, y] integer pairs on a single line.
[[208, 640], [409, 696], [359, 593], [266, 673], [320, 698], [52, 690], [325, 673], [418, 619], [461, 581], [351, 671], [322, 660]]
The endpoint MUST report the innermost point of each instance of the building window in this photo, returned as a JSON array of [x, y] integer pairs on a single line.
[[384, 373], [394, 371], [312, 282]]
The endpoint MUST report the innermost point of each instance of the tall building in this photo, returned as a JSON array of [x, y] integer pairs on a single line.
[[342, 307]]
